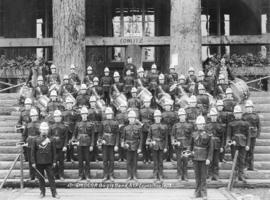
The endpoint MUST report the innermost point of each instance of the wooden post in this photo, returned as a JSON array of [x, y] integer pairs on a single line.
[[186, 39], [69, 35]]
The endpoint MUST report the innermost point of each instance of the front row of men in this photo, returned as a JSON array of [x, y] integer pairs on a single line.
[[203, 141]]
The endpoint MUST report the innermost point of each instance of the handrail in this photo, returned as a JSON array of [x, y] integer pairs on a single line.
[[20, 84], [258, 79], [4, 83], [10, 169]]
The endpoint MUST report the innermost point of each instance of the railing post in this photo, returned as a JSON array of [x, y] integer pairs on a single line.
[[21, 166]]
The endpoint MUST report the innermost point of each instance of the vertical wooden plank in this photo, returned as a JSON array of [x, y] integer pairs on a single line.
[[69, 35], [186, 40]]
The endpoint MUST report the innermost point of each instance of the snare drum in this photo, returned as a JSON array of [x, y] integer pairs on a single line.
[[240, 89]]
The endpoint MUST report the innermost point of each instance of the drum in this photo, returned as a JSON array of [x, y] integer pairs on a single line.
[[240, 89], [144, 94], [42, 102], [67, 94], [118, 100]]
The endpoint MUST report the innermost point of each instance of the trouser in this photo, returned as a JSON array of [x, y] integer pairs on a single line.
[[214, 168], [106, 97], [131, 163], [31, 169], [240, 164], [250, 154], [200, 170], [70, 149], [121, 150], [157, 156], [94, 154], [145, 148], [59, 168], [169, 153], [108, 160], [182, 163], [84, 156], [49, 172]]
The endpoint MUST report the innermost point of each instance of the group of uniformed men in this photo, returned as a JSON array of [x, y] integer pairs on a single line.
[[82, 115]]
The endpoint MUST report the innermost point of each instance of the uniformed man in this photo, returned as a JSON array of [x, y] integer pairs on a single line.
[[201, 80], [41, 88], [54, 77], [84, 133], [147, 118], [70, 117], [43, 156], [96, 90], [130, 66], [153, 79], [191, 78], [161, 81], [229, 104], [220, 91], [192, 110], [238, 132], [158, 141], [202, 150], [82, 98], [30, 132], [203, 101], [109, 139], [95, 116], [132, 142], [122, 119], [88, 79], [117, 86], [255, 129], [66, 88], [134, 102], [217, 130], [128, 81], [172, 76], [181, 140], [24, 119], [141, 78], [59, 133], [169, 118], [74, 77], [222, 118], [54, 104], [105, 82]]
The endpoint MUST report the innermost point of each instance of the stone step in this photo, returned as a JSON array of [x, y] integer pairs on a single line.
[[10, 136], [9, 95], [141, 184], [143, 174], [263, 108], [260, 94], [9, 118], [5, 165], [259, 100], [8, 102]]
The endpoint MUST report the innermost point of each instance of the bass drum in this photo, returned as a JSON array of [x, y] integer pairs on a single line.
[[240, 90]]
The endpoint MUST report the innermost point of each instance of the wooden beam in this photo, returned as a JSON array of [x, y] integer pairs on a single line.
[[142, 41], [26, 42]]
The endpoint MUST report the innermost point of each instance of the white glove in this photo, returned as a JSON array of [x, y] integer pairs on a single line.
[[207, 162], [64, 149], [90, 148], [165, 150], [221, 150], [139, 151], [247, 148]]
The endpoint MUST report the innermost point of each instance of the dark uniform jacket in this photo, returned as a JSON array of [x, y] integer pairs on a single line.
[[119, 86], [24, 118], [40, 90], [110, 132], [128, 83], [55, 105], [169, 118], [82, 100], [67, 88], [254, 124], [147, 118], [153, 81], [69, 118], [59, 133], [88, 78], [201, 145], [238, 131], [54, 78], [171, 78], [43, 152], [106, 82], [84, 133], [31, 132], [133, 137], [74, 78], [144, 82], [182, 132], [217, 130], [159, 134], [96, 89], [203, 103], [192, 113]]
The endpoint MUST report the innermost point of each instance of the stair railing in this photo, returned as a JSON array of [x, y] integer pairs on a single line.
[[12, 86], [20, 155]]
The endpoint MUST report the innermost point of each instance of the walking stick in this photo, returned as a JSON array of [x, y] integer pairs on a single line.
[[231, 180], [39, 173]]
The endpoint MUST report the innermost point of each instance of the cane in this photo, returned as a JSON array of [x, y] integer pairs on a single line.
[[39, 173]]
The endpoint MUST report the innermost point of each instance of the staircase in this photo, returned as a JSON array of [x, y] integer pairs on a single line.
[[8, 137]]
